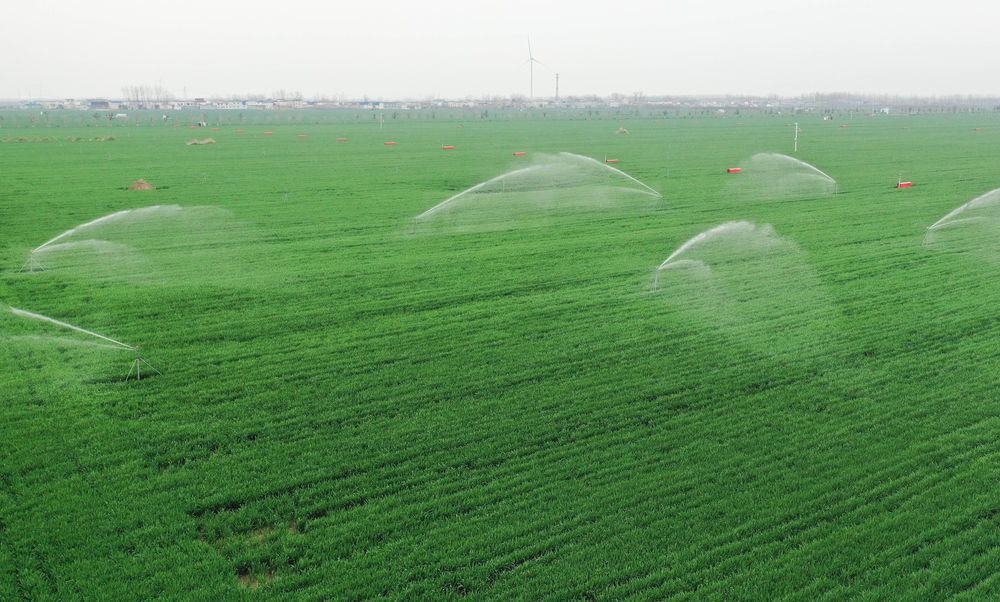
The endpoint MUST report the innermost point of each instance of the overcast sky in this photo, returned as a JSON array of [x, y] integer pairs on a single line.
[[459, 48]]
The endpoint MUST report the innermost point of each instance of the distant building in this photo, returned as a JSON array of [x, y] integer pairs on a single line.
[[289, 104]]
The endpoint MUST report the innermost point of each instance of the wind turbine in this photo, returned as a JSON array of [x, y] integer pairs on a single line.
[[531, 68]]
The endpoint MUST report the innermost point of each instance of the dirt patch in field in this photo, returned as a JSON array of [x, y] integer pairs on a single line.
[[196, 142], [249, 581], [141, 184], [54, 139], [258, 535]]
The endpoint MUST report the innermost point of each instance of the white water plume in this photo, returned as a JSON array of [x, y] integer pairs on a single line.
[[32, 315], [78, 228], [795, 163], [91, 244], [479, 186], [58, 341], [551, 182], [144, 211], [159, 244], [94, 259], [726, 229], [684, 264], [615, 170], [973, 227], [726, 242], [769, 176], [958, 222], [988, 201], [751, 291]]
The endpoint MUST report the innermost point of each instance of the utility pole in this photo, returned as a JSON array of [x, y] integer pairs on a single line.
[[557, 86]]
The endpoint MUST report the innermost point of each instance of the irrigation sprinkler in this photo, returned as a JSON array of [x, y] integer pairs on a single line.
[[138, 359], [137, 366], [795, 146], [32, 264]]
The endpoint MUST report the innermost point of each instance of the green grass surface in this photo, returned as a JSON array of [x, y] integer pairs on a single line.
[[350, 409]]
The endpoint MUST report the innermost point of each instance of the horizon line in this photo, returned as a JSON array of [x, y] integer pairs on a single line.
[[635, 97]]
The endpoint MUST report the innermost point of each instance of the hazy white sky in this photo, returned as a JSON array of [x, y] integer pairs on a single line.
[[458, 48]]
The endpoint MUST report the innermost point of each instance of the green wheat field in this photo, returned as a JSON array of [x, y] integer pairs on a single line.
[[778, 383]]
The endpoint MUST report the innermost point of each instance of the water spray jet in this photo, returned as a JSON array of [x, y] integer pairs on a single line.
[[138, 359], [615, 170], [723, 230], [774, 175], [550, 173]]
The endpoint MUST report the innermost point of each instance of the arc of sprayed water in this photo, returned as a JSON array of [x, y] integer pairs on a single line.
[[141, 210], [617, 171], [28, 314], [451, 199], [974, 202], [58, 340], [802, 163], [964, 220], [741, 226], [444, 203], [820, 172], [676, 264], [744, 226], [80, 227]]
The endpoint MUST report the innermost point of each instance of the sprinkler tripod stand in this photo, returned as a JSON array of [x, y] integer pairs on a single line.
[[137, 365], [32, 264]]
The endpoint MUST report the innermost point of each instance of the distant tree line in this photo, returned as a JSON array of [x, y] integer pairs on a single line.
[[146, 96]]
